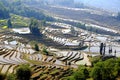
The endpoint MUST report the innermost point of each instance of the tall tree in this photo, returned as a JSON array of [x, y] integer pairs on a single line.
[[34, 27], [104, 48], [36, 47], [101, 48], [9, 23]]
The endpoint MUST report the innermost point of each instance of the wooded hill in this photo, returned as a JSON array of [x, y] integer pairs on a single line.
[[4, 13], [19, 7]]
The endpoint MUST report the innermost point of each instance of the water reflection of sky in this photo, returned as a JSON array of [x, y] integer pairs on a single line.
[[97, 49]]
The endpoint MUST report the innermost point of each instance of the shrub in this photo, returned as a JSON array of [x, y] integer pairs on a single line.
[[36, 47], [105, 70], [11, 77], [23, 72], [2, 76], [45, 51], [80, 74]]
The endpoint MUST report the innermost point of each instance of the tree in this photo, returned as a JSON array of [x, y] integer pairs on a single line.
[[43, 22], [23, 72], [9, 23], [105, 70], [36, 47], [34, 27], [45, 51], [101, 48], [104, 48], [96, 73], [80, 74]]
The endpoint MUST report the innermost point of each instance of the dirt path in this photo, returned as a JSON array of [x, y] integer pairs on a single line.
[[85, 61]]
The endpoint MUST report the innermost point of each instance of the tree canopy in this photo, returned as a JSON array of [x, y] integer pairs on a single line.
[[9, 23], [34, 27], [106, 70], [23, 72], [4, 13], [20, 7]]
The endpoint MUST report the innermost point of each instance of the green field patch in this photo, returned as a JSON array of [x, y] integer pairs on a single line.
[[2, 20], [5, 27], [19, 21]]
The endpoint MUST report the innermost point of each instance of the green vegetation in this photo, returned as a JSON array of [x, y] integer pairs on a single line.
[[34, 27], [5, 27], [80, 74], [94, 60], [36, 47], [106, 70], [11, 77], [9, 23], [19, 21], [4, 13], [19, 7], [45, 51], [101, 70], [43, 23], [3, 23], [15, 21], [23, 72]]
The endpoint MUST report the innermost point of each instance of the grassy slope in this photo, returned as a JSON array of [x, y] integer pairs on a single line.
[[17, 21]]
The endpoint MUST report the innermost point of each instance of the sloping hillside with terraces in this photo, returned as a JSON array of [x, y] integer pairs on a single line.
[[61, 43], [14, 54]]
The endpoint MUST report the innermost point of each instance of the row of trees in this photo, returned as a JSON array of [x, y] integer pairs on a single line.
[[102, 70], [106, 70], [103, 50], [19, 7]]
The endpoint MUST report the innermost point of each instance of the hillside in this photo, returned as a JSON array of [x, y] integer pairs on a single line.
[[46, 41], [104, 4], [98, 17], [4, 13]]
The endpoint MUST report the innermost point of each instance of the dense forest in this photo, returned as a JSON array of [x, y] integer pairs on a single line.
[[18, 7], [4, 13]]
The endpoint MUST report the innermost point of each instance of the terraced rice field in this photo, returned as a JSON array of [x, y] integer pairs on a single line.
[[50, 73], [43, 67]]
